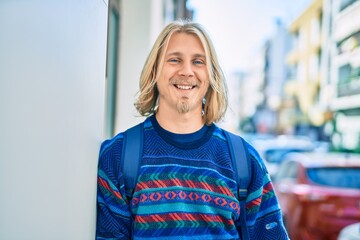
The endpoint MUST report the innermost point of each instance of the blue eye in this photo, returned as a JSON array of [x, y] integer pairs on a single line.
[[198, 62], [173, 60]]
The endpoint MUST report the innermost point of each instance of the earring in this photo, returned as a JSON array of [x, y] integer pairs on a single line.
[[203, 106]]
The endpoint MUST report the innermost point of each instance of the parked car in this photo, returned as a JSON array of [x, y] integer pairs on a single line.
[[351, 232], [273, 150], [319, 194]]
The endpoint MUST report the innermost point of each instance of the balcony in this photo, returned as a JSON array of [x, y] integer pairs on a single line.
[[347, 21]]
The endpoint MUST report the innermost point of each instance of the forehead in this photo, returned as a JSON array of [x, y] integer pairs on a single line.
[[185, 42]]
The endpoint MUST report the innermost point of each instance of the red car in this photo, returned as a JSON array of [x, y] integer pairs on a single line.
[[319, 194]]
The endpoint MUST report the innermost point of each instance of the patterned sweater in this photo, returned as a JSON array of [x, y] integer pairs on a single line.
[[186, 189]]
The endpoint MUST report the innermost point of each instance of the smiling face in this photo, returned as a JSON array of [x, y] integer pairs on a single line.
[[183, 79]]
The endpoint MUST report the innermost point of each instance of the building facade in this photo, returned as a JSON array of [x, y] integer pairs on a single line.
[[345, 74], [264, 107], [325, 80], [303, 85]]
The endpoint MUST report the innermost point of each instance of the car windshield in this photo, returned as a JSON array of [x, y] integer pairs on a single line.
[[277, 155], [335, 177]]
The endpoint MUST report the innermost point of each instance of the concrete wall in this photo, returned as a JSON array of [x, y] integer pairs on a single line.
[[52, 79]]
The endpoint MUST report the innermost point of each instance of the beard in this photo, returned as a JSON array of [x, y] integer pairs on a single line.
[[183, 106]]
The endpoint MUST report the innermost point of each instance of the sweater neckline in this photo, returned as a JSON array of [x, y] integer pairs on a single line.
[[184, 141]]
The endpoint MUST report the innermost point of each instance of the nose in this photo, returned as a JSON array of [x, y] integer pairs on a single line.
[[186, 69]]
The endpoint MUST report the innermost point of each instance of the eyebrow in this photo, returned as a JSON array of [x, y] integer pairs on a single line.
[[197, 55]]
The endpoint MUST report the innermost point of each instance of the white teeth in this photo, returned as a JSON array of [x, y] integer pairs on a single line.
[[184, 87]]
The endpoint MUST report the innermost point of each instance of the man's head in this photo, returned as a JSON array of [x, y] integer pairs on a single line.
[[207, 72]]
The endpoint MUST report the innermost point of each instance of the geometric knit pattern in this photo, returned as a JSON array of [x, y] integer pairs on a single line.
[[185, 190]]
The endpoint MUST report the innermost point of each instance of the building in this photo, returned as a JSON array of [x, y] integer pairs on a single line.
[[262, 94], [304, 59], [345, 74], [326, 67], [276, 74]]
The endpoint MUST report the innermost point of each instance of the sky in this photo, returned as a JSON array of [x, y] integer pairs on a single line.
[[238, 28]]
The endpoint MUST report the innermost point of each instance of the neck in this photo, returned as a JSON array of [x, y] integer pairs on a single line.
[[176, 122]]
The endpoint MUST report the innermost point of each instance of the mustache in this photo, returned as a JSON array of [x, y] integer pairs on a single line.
[[184, 81]]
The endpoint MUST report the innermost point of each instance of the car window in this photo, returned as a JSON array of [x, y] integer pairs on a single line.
[[335, 176], [277, 155], [293, 170], [287, 170]]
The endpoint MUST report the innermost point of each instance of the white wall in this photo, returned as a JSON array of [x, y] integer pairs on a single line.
[[52, 78]]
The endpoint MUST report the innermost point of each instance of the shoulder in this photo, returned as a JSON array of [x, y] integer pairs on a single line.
[[114, 144], [111, 144], [254, 156]]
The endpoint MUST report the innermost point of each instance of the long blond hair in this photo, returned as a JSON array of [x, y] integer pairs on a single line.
[[216, 96]]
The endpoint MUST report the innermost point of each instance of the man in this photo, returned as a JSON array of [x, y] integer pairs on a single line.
[[186, 187]]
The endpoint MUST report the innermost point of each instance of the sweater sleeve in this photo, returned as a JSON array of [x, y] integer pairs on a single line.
[[113, 212], [263, 213]]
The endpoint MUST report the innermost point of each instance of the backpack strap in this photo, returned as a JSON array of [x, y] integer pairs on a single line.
[[242, 167], [131, 156]]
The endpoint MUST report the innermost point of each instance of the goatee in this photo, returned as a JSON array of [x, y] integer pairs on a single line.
[[183, 106]]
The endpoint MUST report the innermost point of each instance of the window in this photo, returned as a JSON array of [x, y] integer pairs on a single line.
[[349, 43], [344, 73], [313, 66], [278, 155], [287, 170], [315, 31], [346, 3], [335, 177]]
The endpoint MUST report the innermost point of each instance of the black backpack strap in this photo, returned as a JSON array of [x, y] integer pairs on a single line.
[[131, 156], [242, 166]]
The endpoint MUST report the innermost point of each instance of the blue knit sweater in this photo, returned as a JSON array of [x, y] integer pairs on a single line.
[[186, 190]]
